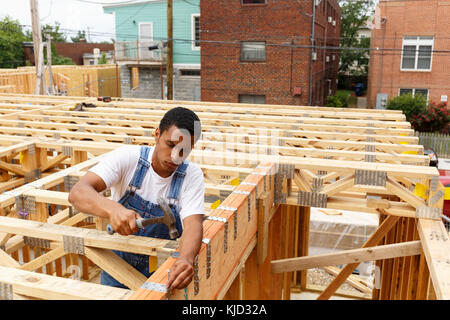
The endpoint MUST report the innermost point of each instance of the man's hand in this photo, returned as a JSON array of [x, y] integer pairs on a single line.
[[182, 270], [180, 274], [123, 220]]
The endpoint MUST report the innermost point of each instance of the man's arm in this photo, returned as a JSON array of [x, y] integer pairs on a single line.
[[85, 197], [182, 270]]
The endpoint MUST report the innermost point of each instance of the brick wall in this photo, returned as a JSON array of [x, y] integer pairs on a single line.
[[410, 18], [286, 28]]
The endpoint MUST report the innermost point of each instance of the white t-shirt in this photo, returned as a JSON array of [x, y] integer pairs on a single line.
[[117, 169]]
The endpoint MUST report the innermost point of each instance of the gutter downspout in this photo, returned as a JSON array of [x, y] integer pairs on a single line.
[[311, 54]]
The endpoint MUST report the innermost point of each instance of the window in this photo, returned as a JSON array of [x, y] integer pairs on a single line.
[[195, 29], [253, 1], [252, 99], [413, 92], [189, 72], [253, 51], [417, 53]]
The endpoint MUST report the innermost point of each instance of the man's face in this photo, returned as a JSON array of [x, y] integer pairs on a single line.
[[172, 148]]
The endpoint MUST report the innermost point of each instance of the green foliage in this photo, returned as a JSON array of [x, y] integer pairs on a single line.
[[81, 35], [408, 104], [103, 59], [11, 38], [434, 119], [336, 101], [60, 60], [354, 15], [54, 32]]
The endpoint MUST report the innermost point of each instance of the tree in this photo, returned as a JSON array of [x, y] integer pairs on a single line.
[[11, 39], [103, 59], [54, 31], [81, 35], [354, 15]]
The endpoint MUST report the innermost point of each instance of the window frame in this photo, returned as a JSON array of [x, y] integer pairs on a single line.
[[417, 42], [194, 46], [253, 98], [253, 4], [414, 91], [253, 60]]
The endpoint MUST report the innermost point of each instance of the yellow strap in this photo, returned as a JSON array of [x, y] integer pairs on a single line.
[[447, 193], [421, 191], [215, 204], [152, 263], [235, 182], [21, 157]]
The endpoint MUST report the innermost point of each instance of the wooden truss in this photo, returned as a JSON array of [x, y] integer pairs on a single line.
[[264, 167]]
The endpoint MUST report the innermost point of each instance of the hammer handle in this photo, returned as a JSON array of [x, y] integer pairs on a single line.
[[140, 223]]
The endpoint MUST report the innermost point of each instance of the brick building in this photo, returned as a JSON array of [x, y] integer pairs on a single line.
[[415, 35], [260, 51]]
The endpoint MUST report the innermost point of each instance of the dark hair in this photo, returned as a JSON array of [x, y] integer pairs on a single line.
[[182, 118]]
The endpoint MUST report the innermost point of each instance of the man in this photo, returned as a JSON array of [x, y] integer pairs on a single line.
[[138, 176]]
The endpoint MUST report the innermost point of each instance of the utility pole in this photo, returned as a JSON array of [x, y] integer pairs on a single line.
[[51, 88], [169, 63], [38, 47]]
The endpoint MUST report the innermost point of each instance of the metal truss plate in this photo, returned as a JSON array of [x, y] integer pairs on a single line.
[[312, 199], [436, 197], [30, 204], [67, 151], [36, 242], [279, 196], [434, 183], [223, 194], [208, 256], [370, 148], [128, 140], [73, 244], [196, 279], [286, 170], [370, 158], [317, 184], [158, 287], [428, 213], [370, 178], [225, 230]]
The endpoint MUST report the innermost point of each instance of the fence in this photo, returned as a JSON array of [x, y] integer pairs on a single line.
[[440, 143]]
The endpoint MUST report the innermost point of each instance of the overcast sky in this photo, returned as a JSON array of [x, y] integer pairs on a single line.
[[72, 14]]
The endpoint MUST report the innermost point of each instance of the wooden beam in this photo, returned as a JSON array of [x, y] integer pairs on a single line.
[[118, 268], [387, 224], [44, 259], [348, 256], [47, 287]]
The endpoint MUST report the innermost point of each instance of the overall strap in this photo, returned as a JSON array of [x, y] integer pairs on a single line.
[[177, 181], [141, 169]]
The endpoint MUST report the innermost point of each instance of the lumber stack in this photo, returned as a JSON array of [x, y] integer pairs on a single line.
[[264, 167]]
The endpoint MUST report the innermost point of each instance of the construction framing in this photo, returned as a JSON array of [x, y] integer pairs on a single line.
[[264, 167]]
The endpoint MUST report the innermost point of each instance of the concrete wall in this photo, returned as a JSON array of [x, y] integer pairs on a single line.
[[185, 87]]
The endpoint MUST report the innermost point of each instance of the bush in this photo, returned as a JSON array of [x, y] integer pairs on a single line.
[[434, 118], [337, 102], [408, 104]]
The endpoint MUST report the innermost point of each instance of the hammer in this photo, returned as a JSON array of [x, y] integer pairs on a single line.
[[168, 219]]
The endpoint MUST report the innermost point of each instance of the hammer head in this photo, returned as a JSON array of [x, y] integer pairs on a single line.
[[168, 219]]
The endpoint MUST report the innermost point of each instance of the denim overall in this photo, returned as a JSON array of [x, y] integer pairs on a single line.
[[147, 209]]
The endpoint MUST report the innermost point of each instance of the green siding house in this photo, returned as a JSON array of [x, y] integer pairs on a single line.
[[143, 24]]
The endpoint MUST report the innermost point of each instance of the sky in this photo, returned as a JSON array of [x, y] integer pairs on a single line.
[[72, 14]]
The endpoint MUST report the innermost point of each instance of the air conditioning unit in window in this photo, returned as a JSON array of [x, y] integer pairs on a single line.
[[334, 23], [333, 57], [327, 59], [314, 56], [330, 19]]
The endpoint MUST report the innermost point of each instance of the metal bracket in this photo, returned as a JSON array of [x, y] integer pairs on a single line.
[[73, 244], [428, 212], [370, 178], [208, 256], [370, 148], [36, 242], [147, 133], [6, 291], [32, 175], [72, 211], [196, 279], [286, 170], [153, 286], [29, 204], [67, 151], [370, 139], [279, 196], [317, 184], [127, 140], [312, 199], [102, 123], [81, 129], [70, 181], [370, 158], [437, 196], [434, 183], [370, 131], [56, 135], [225, 231]]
